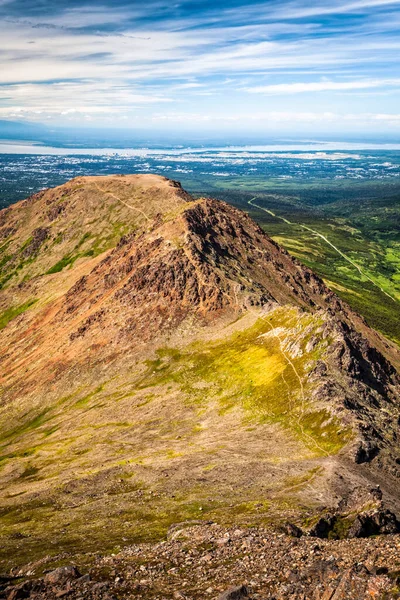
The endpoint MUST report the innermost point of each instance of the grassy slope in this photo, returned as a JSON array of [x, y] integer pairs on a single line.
[[163, 441]]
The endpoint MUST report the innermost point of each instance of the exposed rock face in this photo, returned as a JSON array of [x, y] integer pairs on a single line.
[[369, 390], [363, 525], [375, 522], [361, 514], [39, 235], [212, 257]]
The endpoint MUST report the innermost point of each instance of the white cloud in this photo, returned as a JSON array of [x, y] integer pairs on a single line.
[[290, 11], [87, 16], [322, 86], [278, 117], [71, 99], [262, 49]]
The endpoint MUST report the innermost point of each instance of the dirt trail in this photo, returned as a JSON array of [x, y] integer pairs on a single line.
[[302, 393], [122, 201]]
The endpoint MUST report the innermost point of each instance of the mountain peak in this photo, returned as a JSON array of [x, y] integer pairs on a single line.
[[147, 334]]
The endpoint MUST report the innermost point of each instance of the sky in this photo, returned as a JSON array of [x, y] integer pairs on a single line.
[[284, 66]]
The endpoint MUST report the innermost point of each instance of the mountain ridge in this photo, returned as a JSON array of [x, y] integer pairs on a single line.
[[179, 327]]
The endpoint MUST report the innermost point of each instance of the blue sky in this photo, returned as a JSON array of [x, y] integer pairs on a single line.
[[282, 66]]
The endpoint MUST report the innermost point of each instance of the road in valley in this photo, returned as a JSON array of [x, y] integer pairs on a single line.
[[325, 239]]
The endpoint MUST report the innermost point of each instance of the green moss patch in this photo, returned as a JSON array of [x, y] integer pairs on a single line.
[[12, 312], [86, 399], [253, 371]]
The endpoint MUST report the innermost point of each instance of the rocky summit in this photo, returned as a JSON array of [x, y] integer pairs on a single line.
[[186, 411]]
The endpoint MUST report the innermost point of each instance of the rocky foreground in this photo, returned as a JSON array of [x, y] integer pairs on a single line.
[[208, 561]]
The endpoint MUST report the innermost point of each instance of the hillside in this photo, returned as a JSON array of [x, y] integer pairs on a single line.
[[164, 360]]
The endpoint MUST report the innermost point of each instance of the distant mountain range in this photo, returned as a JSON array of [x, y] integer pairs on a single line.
[[18, 130], [83, 136]]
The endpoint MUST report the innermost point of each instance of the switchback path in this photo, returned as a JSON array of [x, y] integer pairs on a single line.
[[325, 239]]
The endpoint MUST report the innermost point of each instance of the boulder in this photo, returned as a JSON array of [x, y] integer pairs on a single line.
[[62, 574], [323, 526], [292, 530], [235, 593], [20, 591]]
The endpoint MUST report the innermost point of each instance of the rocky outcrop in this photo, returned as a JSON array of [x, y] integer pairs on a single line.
[[39, 235], [356, 379], [362, 514]]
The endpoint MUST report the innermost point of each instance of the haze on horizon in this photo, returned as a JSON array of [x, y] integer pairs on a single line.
[[281, 66]]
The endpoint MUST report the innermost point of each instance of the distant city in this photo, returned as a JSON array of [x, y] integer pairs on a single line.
[[25, 169]]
